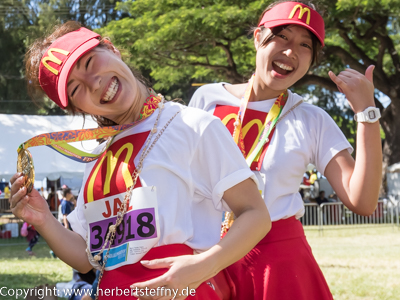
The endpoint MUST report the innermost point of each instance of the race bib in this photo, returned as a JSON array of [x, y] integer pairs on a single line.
[[135, 236]]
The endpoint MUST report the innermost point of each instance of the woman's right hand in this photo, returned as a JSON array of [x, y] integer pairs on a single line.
[[32, 207]]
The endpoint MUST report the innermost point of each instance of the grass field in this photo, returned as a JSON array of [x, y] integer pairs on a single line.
[[359, 264], [19, 270]]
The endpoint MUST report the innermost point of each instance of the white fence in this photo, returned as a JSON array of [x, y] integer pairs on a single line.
[[395, 199], [333, 214]]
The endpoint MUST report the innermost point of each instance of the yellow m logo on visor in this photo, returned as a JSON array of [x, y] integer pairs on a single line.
[[303, 10], [53, 59]]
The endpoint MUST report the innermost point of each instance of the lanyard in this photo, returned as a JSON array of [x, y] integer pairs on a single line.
[[269, 124], [58, 141]]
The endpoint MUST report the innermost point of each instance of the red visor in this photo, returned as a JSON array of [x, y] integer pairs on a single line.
[[58, 60], [297, 14]]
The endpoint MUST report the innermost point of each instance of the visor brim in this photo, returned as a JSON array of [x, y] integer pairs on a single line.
[[67, 68]]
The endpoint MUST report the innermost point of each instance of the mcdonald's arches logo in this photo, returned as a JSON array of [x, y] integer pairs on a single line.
[[303, 10], [50, 57], [112, 172], [252, 124]]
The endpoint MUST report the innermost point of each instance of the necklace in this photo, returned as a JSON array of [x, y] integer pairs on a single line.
[[109, 239]]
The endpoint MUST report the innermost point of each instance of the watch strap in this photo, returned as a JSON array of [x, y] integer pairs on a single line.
[[370, 115]]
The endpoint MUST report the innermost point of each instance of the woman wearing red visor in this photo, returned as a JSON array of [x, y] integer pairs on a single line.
[[279, 136], [154, 196]]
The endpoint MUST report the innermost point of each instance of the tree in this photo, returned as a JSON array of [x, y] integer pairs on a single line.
[[189, 40], [361, 33], [22, 21], [13, 24]]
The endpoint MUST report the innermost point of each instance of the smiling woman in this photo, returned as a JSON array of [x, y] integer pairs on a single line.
[[103, 85], [279, 136], [155, 193], [90, 65]]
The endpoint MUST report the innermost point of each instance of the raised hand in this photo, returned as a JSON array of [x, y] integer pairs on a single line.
[[358, 88], [32, 207]]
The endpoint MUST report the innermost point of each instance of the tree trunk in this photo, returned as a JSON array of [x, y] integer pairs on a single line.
[[390, 123]]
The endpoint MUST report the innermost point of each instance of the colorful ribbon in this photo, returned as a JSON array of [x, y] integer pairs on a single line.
[[269, 124], [58, 141]]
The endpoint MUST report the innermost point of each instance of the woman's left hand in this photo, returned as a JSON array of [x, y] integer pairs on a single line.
[[358, 88], [183, 274]]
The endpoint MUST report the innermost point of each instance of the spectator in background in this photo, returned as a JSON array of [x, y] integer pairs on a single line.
[[306, 179], [32, 236], [59, 194], [67, 206], [93, 289], [6, 192], [62, 198], [314, 183], [321, 198], [51, 199], [86, 287], [313, 176], [333, 198], [60, 217]]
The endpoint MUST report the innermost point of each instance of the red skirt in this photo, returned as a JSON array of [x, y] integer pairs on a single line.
[[280, 267], [118, 281]]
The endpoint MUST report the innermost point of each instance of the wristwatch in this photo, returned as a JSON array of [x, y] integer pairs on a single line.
[[370, 114]]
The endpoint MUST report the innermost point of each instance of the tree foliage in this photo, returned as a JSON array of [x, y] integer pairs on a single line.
[[185, 41], [180, 42], [22, 21]]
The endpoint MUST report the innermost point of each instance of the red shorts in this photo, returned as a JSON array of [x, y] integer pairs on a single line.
[[119, 280], [280, 267]]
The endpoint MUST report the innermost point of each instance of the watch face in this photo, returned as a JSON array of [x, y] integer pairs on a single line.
[[372, 114]]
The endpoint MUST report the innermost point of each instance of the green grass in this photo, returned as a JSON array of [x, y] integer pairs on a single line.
[[359, 264], [19, 270]]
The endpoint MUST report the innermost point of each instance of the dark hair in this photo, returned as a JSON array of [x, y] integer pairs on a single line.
[[316, 44], [66, 191], [35, 53]]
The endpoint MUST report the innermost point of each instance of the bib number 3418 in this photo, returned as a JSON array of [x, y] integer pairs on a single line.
[[136, 225]]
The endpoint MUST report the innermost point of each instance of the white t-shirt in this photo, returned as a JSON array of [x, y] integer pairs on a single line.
[[188, 166], [306, 135]]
